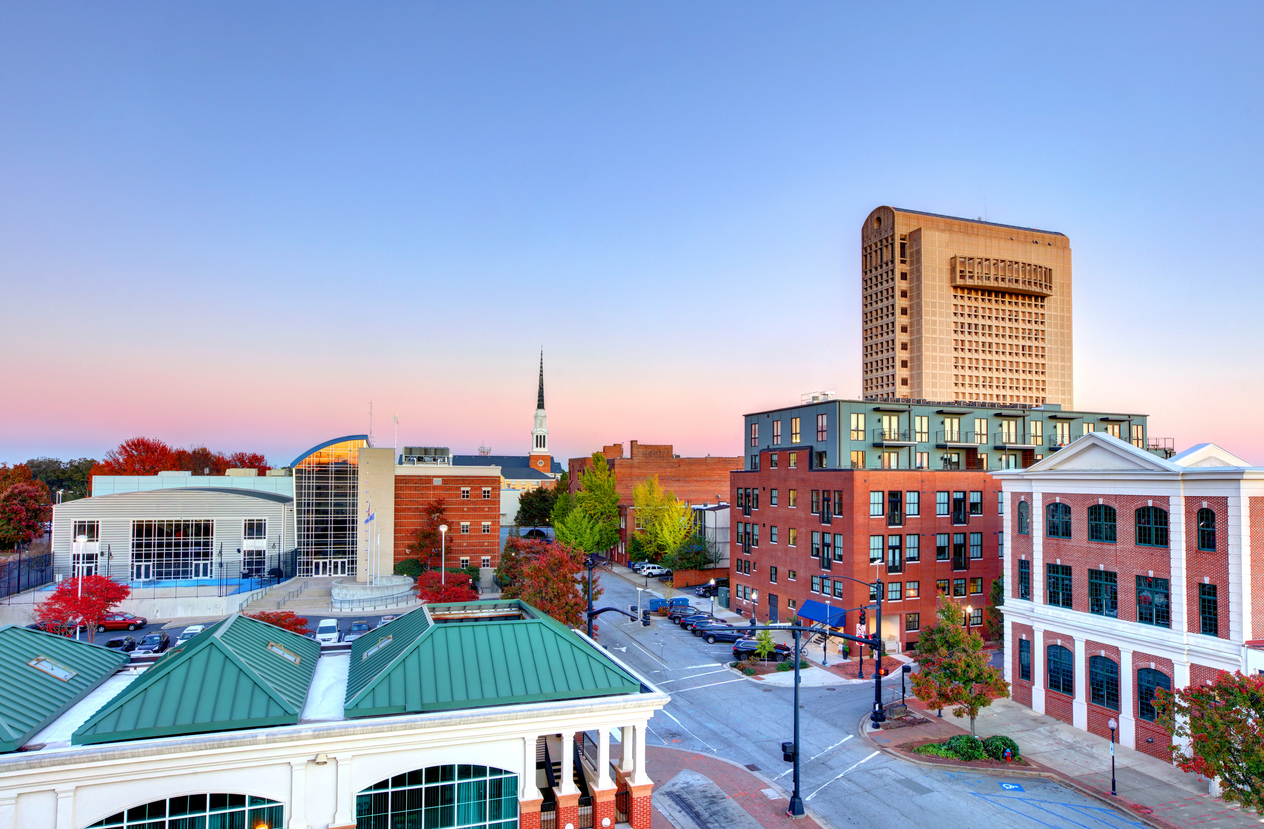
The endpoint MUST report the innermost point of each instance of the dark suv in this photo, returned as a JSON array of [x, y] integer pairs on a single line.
[[155, 642], [690, 622], [721, 632], [744, 649], [124, 644], [681, 611]]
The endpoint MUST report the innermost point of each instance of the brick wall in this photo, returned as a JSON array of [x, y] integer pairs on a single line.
[[529, 814], [1020, 689], [854, 524], [693, 578], [1257, 568], [1207, 567], [414, 492], [1150, 730], [1057, 704], [693, 480], [1099, 715], [1019, 547]]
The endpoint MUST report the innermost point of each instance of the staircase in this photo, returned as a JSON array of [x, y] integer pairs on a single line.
[[301, 596]]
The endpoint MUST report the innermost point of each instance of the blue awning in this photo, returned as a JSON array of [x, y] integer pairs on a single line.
[[815, 611]]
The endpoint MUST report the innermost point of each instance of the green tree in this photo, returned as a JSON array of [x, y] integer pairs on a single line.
[[764, 645], [535, 506], [636, 550], [666, 522], [953, 669], [598, 496], [994, 617], [580, 531], [72, 477], [694, 554], [1224, 725]]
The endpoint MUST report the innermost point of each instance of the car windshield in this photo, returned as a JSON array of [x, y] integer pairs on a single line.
[[115, 643], [359, 626], [151, 639]]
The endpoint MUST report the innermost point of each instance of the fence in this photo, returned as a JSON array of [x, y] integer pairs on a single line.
[[622, 806], [548, 815], [25, 571]]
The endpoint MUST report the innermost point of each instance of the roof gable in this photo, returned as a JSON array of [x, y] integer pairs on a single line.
[[239, 673], [41, 676], [1208, 455], [1100, 452]]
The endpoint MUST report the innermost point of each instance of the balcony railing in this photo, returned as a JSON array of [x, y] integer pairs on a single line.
[[895, 518], [1055, 442], [1015, 438], [887, 437], [1161, 446], [957, 437]]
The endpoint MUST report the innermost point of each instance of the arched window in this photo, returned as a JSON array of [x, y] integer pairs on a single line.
[[1207, 530], [1103, 682], [198, 811], [1152, 527], [1060, 670], [1058, 521], [1024, 518], [442, 797], [1149, 680], [1101, 523]]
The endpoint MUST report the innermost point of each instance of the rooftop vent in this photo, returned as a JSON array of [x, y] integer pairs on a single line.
[[816, 397]]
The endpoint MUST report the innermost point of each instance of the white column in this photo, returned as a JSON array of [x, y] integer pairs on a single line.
[[298, 794], [66, 807], [1010, 645], [8, 810], [1079, 708], [1239, 596], [628, 748], [343, 812], [1127, 723], [1180, 679], [1037, 548], [1176, 552], [568, 763], [603, 758], [527, 783], [639, 777], [1039, 678]]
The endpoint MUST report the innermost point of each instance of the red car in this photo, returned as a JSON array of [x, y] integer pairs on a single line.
[[59, 628], [121, 621]]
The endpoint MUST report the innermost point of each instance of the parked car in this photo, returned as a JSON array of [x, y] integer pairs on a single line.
[[389, 617], [327, 631], [154, 642], [357, 629], [700, 628], [656, 604], [706, 591], [746, 649], [655, 570], [188, 633], [690, 622], [123, 644], [724, 633], [59, 628], [681, 612], [121, 621]]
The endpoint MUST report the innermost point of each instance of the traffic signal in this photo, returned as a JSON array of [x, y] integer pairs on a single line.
[[884, 672], [645, 618], [787, 752], [862, 615]]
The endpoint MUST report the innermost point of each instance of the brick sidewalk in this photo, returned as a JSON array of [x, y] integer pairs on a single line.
[[742, 785]]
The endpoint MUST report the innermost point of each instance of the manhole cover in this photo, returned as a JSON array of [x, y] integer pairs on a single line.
[[831, 689], [752, 767]]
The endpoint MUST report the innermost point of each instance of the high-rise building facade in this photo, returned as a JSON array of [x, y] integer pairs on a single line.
[[963, 310]]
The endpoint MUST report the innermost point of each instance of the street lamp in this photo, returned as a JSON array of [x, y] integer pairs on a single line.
[[965, 620], [1112, 725], [443, 539], [712, 597], [825, 644], [639, 591], [590, 563]]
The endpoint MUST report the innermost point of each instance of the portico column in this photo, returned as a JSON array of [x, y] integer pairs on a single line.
[[1178, 597], [603, 758], [1180, 679], [627, 747], [1127, 723], [298, 794], [8, 808], [568, 763], [639, 777], [343, 814], [1038, 675], [1079, 708], [66, 807], [527, 788]]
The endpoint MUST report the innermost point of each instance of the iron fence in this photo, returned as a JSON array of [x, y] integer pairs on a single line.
[[25, 571]]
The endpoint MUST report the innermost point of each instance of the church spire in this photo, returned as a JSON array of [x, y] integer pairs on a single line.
[[539, 404]]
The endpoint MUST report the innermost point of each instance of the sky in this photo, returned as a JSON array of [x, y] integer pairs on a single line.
[[238, 224]]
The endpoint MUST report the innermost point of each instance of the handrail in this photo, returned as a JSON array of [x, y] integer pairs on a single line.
[[371, 601]]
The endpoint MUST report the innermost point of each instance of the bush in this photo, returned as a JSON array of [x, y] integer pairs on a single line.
[[935, 750], [965, 747], [410, 567], [785, 666], [995, 747], [748, 671]]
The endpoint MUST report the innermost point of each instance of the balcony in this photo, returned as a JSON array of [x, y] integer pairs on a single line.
[[895, 518], [894, 437], [1053, 443], [1163, 447], [957, 438], [1013, 439]]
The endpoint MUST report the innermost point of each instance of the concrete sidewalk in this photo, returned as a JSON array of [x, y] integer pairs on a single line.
[[1161, 792]]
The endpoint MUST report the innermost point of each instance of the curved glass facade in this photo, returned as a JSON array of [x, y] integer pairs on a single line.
[[326, 483], [199, 811], [441, 797]]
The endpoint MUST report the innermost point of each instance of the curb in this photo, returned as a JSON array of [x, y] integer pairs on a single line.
[[1114, 802]]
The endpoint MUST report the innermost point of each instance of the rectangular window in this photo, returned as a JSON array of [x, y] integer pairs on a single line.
[[1024, 579], [923, 460], [1103, 682], [253, 529], [825, 549], [792, 460], [772, 497], [772, 534], [772, 460], [838, 589], [1060, 670], [895, 554], [753, 498], [921, 429], [754, 463], [1089, 427], [816, 502], [976, 545], [816, 584], [772, 575], [794, 430], [754, 535], [465, 528], [1154, 602], [754, 434], [1000, 503], [816, 545], [1000, 545], [941, 586], [980, 430], [838, 546], [912, 547], [89, 531], [976, 617], [487, 527], [792, 497], [1103, 593], [776, 433], [952, 430], [959, 508], [976, 503], [875, 548], [912, 589], [1208, 610], [857, 426], [857, 459], [1024, 659], [822, 427], [1148, 681], [895, 508], [976, 586], [959, 561], [941, 503], [465, 562], [912, 621], [875, 503], [792, 536], [487, 561], [465, 493], [792, 575], [941, 546], [895, 591], [958, 587], [1058, 585], [912, 503], [1138, 436], [487, 493]]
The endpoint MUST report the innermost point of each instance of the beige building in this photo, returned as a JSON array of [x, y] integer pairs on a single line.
[[965, 310]]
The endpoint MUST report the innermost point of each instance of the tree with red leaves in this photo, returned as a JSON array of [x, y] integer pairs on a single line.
[[427, 547], [136, 456], [67, 605], [284, 619], [248, 460], [435, 588], [24, 509], [553, 580], [199, 460]]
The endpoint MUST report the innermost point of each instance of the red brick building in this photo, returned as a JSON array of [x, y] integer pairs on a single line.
[[796, 530], [472, 507], [693, 480]]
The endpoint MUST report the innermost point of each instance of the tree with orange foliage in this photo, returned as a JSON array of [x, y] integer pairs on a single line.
[[136, 456], [284, 619], [248, 460], [24, 505], [552, 580], [429, 542], [435, 588], [100, 595]]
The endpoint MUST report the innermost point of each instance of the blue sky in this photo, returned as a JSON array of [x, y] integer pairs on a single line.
[[236, 224]]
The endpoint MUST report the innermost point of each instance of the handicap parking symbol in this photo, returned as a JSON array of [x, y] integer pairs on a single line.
[[1011, 787]]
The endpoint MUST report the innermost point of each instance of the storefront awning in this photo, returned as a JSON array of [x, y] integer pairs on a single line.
[[815, 611]]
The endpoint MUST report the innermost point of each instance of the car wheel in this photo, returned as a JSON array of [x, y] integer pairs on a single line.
[[710, 640], [131, 627], [100, 628], [781, 657]]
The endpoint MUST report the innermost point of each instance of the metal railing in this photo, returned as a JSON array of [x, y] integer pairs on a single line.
[[548, 815], [293, 594], [881, 436], [1004, 438], [895, 517], [960, 437], [390, 599], [622, 806]]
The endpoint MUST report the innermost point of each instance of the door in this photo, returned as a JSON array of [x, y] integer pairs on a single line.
[[772, 609], [142, 571], [320, 567], [338, 567], [201, 570]]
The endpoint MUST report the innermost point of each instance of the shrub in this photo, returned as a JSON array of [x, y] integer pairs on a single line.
[[785, 666], [410, 567], [966, 747], [935, 750], [748, 671], [995, 747]]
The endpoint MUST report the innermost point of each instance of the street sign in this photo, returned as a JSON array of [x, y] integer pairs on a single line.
[[1011, 787]]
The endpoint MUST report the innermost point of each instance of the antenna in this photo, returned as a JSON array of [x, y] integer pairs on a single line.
[[370, 421], [396, 434]]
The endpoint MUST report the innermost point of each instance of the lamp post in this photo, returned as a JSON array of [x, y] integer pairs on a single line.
[[639, 591], [590, 563], [443, 540], [712, 597], [1112, 725], [825, 644], [965, 619]]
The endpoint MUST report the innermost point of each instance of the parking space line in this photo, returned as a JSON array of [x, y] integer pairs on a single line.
[[718, 670], [818, 754], [840, 774], [708, 685]]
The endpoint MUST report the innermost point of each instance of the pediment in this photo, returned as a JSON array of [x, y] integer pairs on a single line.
[[1097, 452], [1206, 455]]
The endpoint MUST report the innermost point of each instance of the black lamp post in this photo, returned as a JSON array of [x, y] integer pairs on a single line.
[[590, 563], [1112, 725]]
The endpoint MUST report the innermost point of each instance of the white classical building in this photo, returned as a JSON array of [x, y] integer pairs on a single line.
[[1127, 572], [486, 715]]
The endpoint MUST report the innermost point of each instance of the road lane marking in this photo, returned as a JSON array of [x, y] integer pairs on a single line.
[[840, 774], [708, 685], [810, 759], [718, 670], [691, 734]]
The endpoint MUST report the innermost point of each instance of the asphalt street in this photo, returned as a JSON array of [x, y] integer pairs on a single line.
[[843, 779]]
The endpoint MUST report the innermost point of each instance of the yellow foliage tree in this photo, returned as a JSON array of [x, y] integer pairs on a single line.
[[665, 522]]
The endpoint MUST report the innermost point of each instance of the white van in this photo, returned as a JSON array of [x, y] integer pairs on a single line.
[[327, 631]]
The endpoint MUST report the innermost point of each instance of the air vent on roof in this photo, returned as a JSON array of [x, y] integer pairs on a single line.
[[816, 397]]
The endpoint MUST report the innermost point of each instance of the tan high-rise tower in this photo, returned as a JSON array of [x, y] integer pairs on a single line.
[[965, 310]]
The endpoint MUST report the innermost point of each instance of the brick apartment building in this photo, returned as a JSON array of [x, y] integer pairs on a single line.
[[1129, 572], [800, 533], [695, 481]]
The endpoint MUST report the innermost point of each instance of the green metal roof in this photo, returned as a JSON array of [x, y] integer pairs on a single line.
[[41, 676], [437, 665], [239, 673]]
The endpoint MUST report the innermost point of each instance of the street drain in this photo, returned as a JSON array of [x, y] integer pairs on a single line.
[[831, 689]]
